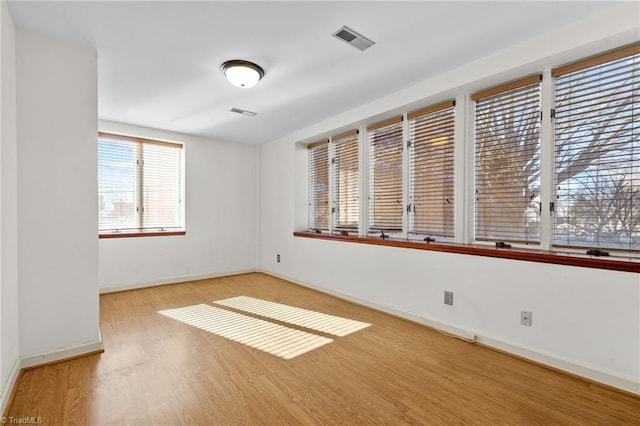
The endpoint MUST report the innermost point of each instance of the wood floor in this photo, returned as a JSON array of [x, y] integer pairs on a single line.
[[159, 371]]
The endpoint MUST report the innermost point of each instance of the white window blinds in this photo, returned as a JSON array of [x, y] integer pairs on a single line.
[[597, 145], [385, 175], [319, 185], [346, 183], [140, 184], [431, 170], [507, 162]]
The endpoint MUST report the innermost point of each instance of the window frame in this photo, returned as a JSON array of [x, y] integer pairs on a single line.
[[429, 113], [510, 95], [595, 87], [351, 137], [464, 176], [378, 228], [313, 148], [139, 193]]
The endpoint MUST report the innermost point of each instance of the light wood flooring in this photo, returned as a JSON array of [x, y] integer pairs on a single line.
[[158, 371]]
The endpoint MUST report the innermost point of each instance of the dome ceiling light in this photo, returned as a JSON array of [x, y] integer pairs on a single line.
[[241, 73]]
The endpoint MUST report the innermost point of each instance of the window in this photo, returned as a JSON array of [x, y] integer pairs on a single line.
[[584, 167], [507, 162], [319, 185], [140, 186], [385, 180], [431, 171], [346, 183], [597, 145]]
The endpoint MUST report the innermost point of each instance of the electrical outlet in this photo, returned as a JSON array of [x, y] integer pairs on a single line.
[[448, 298], [526, 318], [278, 258]]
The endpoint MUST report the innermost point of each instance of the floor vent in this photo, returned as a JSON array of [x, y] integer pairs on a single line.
[[354, 39]]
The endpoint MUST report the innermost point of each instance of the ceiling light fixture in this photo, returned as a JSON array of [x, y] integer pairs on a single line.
[[243, 74]]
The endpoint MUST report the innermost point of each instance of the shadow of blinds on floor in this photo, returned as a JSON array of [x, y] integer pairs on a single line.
[[266, 336], [317, 321]]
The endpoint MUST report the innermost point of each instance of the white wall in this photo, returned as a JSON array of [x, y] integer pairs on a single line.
[[221, 219], [586, 321], [9, 343], [57, 194]]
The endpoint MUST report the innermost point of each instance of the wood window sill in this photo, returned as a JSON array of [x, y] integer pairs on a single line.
[[614, 263], [137, 234]]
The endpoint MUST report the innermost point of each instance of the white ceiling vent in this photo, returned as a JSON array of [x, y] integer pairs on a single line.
[[352, 38], [243, 112]]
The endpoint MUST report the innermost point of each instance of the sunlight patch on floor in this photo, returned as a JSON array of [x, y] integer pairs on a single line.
[[325, 323], [266, 336]]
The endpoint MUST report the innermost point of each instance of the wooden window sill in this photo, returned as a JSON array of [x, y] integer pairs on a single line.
[[137, 234], [614, 263]]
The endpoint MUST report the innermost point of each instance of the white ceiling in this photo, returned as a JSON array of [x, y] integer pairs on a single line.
[[158, 61]]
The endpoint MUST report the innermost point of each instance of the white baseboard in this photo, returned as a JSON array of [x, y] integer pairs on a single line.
[[61, 354], [172, 280], [577, 368], [43, 358], [8, 386], [590, 372]]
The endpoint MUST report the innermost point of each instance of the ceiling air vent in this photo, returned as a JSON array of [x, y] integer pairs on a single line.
[[243, 112], [354, 39]]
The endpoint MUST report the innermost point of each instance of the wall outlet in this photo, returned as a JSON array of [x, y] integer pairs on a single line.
[[278, 258], [526, 318], [448, 298]]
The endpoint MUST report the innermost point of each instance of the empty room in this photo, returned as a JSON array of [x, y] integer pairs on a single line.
[[320, 212]]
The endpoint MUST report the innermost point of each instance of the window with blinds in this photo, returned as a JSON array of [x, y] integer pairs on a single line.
[[507, 162], [319, 185], [431, 170], [140, 185], [597, 151], [385, 176], [346, 182]]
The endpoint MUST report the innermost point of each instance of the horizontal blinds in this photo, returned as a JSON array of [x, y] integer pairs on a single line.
[[507, 162], [346, 182], [385, 179], [161, 186], [139, 141], [597, 147], [594, 61], [507, 87], [319, 185], [118, 174], [431, 132], [139, 184]]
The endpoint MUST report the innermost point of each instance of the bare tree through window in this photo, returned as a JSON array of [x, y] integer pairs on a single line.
[[597, 166], [507, 162]]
